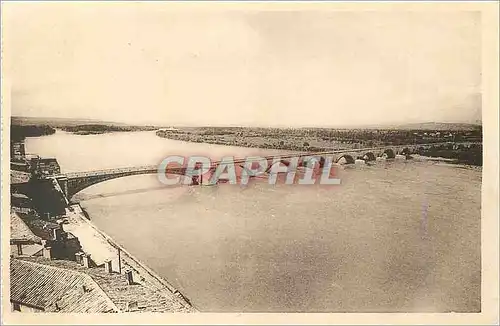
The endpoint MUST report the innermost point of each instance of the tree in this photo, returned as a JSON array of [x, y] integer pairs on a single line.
[[306, 144]]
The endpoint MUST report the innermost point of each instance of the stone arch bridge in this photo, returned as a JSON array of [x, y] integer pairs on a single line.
[[72, 183]]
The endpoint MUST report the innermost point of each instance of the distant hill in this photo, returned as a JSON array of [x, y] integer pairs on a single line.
[[59, 122], [63, 123], [437, 126], [455, 126]]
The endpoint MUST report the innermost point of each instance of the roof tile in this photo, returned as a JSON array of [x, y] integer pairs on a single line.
[[20, 230], [74, 276]]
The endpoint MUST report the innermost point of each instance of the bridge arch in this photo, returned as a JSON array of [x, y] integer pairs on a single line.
[[73, 183], [345, 159], [389, 153], [369, 157], [405, 151]]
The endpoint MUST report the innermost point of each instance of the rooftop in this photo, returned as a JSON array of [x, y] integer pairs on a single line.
[[57, 285], [36, 226], [19, 177], [53, 289], [19, 230], [22, 196]]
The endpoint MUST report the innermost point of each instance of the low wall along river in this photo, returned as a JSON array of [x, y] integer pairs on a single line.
[[103, 248]]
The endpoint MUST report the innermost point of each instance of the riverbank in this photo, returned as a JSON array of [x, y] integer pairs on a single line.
[[96, 129], [19, 133], [302, 141], [272, 139], [318, 139]]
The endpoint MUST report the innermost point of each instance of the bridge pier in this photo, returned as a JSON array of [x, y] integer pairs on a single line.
[[63, 183]]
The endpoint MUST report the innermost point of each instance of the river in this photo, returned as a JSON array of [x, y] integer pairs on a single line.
[[401, 236]]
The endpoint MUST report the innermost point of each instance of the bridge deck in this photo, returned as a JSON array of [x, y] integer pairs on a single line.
[[153, 168]]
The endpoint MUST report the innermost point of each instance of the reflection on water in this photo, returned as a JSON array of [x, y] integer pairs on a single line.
[[399, 236]]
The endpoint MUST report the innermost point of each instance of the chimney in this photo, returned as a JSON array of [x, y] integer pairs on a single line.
[[47, 252], [86, 261], [132, 306], [79, 258], [19, 249], [130, 277], [57, 234], [108, 266]]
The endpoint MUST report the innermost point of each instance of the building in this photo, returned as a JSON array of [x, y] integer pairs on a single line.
[[22, 240], [38, 287], [39, 284], [21, 203], [30, 236], [44, 166], [17, 151], [19, 177], [28, 163], [20, 166]]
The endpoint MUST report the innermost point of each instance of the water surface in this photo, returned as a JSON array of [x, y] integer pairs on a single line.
[[396, 236]]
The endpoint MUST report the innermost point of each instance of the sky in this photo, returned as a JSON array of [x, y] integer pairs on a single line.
[[147, 63]]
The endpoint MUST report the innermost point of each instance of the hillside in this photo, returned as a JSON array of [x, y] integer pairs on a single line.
[[438, 126], [59, 122]]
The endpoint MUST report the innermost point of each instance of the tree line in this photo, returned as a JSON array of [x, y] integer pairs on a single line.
[[19, 133]]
